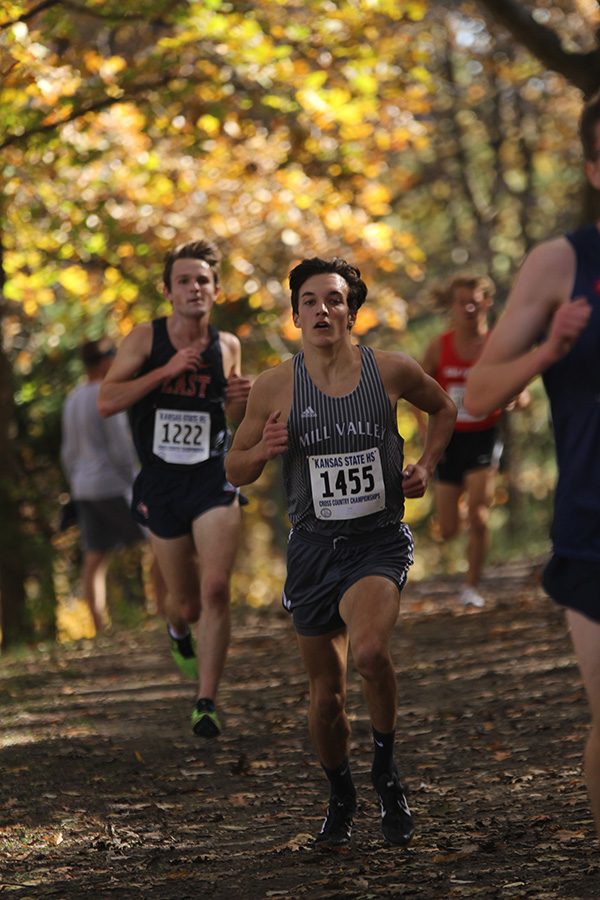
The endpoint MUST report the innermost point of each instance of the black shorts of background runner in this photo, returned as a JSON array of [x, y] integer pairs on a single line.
[[167, 502], [106, 524], [467, 452], [320, 570], [574, 583]]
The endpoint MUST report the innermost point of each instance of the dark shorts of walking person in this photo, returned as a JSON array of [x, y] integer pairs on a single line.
[[106, 524]]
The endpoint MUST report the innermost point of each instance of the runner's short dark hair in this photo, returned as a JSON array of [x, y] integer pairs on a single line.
[[201, 249], [357, 289]]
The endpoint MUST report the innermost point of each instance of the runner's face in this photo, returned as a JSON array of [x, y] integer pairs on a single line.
[[469, 306], [323, 313], [193, 288]]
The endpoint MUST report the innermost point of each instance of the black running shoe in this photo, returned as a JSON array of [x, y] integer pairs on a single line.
[[396, 819], [336, 830], [205, 721]]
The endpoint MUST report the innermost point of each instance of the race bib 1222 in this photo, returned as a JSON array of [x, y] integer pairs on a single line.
[[181, 436]]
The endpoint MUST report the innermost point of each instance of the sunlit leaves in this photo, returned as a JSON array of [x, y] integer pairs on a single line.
[[283, 130], [75, 280]]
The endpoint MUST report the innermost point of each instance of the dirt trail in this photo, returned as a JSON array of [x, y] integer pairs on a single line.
[[105, 793]]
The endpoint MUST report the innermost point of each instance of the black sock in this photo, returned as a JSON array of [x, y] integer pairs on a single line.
[[184, 644], [203, 704], [340, 780], [383, 758]]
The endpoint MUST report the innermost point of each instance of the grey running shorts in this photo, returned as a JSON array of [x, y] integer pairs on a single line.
[[106, 524], [574, 583], [467, 452], [320, 570]]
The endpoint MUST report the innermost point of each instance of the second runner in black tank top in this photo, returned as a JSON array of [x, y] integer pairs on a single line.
[[181, 423], [343, 466]]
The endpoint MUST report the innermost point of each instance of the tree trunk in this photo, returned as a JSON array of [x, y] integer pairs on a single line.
[[13, 616]]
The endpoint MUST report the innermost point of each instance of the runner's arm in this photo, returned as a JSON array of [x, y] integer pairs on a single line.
[[261, 436], [238, 387], [121, 389], [539, 299], [427, 395]]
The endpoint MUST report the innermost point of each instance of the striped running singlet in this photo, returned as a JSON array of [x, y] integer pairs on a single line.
[[343, 467]]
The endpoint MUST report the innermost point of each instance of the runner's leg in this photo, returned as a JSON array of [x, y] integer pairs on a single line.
[[370, 609], [480, 486], [159, 587], [447, 496], [93, 583], [325, 661], [585, 634], [177, 563], [216, 536]]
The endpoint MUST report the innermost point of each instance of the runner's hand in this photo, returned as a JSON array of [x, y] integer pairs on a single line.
[[186, 360], [237, 389], [414, 481], [275, 436], [568, 322]]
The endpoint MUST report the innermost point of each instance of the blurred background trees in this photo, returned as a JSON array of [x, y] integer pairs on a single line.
[[415, 138]]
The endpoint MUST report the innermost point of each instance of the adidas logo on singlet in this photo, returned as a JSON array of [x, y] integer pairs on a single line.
[[308, 413]]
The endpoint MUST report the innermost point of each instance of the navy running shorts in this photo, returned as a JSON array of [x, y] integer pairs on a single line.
[[574, 583], [320, 570], [168, 500], [467, 452], [106, 524]]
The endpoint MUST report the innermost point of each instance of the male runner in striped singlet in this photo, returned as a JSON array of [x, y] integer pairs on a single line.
[[181, 376], [551, 325], [331, 413]]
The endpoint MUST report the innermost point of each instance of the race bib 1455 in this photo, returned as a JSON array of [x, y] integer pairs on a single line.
[[347, 486]]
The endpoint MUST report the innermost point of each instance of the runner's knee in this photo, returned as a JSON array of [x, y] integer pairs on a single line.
[[371, 657], [215, 590], [187, 605], [478, 518], [448, 530], [327, 705]]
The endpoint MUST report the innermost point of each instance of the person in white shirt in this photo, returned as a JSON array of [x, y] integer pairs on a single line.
[[100, 463]]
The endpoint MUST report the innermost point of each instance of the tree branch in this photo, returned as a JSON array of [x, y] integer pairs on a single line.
[[83, 110], [82, 9], [580, 69], [24, 17]]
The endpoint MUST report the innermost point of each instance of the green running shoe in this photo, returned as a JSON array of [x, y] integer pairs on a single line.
[[184, 654], [205, 721]]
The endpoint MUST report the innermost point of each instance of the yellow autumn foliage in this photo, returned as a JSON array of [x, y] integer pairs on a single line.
[[75, 279]]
